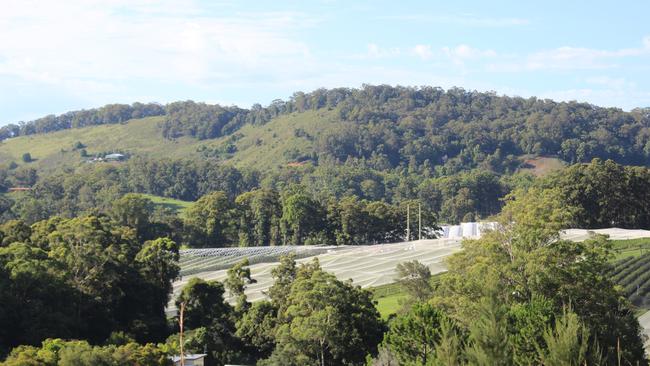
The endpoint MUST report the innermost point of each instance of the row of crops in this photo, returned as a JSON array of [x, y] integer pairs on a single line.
[[633, 273], [630, 248], [194, 261]]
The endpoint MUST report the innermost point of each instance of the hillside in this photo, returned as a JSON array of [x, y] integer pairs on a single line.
[[261, 147], [457, 153], [387, 127]]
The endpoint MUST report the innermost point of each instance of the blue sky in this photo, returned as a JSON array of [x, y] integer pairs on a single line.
[[74, 54]]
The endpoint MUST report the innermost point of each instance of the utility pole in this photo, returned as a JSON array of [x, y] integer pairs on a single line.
[[408, 222], [180, 323], [419, 221]]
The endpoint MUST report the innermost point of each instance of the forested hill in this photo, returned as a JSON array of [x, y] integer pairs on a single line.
[[394, 125], [456, 152]]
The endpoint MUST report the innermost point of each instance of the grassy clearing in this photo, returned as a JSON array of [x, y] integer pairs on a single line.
[[51, 150], [179, 207], [390, 305], [276, 143], [541, 165], [390, 297]]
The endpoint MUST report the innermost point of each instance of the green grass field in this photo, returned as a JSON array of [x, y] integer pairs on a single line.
[[177, 206], [390, 297], [390, 305]]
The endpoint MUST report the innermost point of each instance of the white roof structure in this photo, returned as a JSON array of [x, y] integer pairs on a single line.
[[465, 230], [114, 156], [189, 357]]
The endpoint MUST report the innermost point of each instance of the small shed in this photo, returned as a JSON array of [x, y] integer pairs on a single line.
[[196, 359], [114, 157]]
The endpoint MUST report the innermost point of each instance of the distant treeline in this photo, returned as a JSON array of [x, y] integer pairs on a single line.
[[327, 204], [401, 125], [92, 188]]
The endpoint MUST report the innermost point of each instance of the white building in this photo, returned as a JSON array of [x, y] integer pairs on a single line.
[[197, 359]]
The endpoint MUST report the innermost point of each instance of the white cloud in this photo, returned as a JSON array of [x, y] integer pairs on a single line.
[[572, 58], [610, 82], [462, 53], [465, 52], [423, 51], [375, 51], [93, 45], [467, 20]]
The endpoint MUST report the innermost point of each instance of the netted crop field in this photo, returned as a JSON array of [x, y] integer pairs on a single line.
[[374, 265], [213, 259], [367, 266], [613, 233]]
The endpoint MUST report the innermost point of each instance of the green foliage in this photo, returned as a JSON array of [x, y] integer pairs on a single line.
[[209, 221], [415, 277], [257, 328], [606, 194], [57, 352], [200, 120], [204, 303], [525, 260], [283, 275], [325, 322], [453, 150], [210, 321], [489, 342], [412, 337], [301, 215], [259, 212], [567, 343], [239, 276], [82, 278], [134, 211]]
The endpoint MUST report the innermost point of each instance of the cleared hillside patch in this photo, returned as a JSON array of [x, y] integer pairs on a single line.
[[177, 206], [542, 165]]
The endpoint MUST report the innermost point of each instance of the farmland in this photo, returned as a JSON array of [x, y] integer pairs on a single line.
[[373, 266], [367, 266], [633, 273]]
